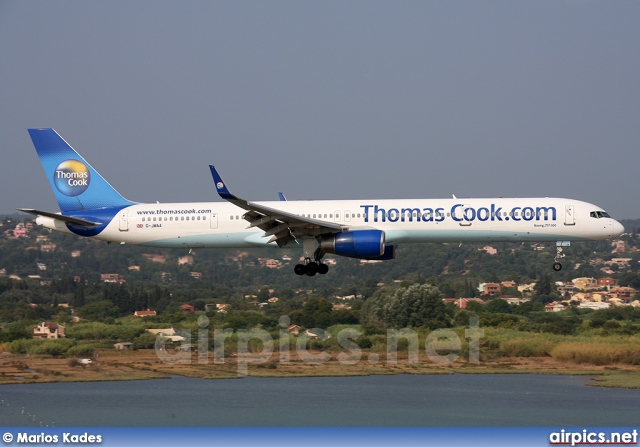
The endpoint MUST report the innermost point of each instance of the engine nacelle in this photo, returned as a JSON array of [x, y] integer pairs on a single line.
[[361, 244], [389, 253]]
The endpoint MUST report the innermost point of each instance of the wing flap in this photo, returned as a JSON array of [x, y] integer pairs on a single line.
[[284, 226]]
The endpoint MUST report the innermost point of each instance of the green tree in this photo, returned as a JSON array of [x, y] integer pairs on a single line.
[[419, 305], [99, 311], [498, 305], [543, 285], [315, 313]]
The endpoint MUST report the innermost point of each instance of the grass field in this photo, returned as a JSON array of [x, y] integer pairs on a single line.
[[112, 365]]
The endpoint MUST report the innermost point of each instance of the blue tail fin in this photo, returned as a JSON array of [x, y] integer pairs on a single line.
[[76, 185]]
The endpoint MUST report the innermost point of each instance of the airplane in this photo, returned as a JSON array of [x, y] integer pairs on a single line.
[[362, 229]]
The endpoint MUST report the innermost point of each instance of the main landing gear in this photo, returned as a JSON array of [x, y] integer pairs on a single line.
[[559, 254], [310, 268], [311, 249]]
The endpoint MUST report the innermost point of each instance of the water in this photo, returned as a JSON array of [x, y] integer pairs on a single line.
[[403, 400]]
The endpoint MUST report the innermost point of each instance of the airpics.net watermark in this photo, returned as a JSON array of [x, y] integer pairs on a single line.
[[256, 346]]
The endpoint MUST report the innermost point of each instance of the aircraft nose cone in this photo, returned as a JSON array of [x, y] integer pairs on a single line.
[[618, 228]]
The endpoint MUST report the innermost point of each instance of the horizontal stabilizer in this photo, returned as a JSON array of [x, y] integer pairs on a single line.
[[66, 219]]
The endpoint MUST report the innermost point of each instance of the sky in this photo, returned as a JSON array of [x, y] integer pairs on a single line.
[[327, 99]]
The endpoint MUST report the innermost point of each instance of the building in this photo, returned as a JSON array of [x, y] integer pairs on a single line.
[[605, 282], [20, 231], [111, 278], [593, 305], [48, 248], [49, 331], [187, 308], [565, 287], [125, 346], [625, 294], [554, 307], [620, 246], [515, 300], [490, 289], [525, 288], [489, 249], [585, 283], [622, 263], [222, 308], [341, 306], [186, 259], [155, 258], [168, 333], [144, 313], [462, 302], [269, 263]]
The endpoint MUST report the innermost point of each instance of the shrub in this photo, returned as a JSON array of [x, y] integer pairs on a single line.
[[83, 350], [527, 347], [53, 348], [22, 346], [597, 353], [73, 362]]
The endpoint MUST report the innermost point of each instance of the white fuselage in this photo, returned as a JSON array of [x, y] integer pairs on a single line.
[[220, 224]]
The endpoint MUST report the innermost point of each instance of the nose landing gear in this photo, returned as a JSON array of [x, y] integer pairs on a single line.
[[559, 254]]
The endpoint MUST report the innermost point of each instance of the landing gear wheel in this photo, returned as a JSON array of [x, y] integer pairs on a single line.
[[311, 269], [323, 269], [559, 255], [300, 269]]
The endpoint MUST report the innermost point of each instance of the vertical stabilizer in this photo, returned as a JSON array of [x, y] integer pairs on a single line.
[[76, 185]]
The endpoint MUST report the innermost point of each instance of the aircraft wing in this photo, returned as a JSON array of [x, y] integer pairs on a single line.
[[67, 219], [282, 226]]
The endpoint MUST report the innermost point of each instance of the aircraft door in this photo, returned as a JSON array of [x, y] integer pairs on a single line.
[[214, 220], [569, 218], [123, 220]]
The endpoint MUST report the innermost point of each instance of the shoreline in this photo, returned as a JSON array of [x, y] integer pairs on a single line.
[[144, 365]]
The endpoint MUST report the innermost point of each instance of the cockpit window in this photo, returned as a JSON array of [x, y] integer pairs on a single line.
[[599, 214]]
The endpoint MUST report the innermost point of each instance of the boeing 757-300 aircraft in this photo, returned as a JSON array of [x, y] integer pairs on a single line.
[[362, 229]]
